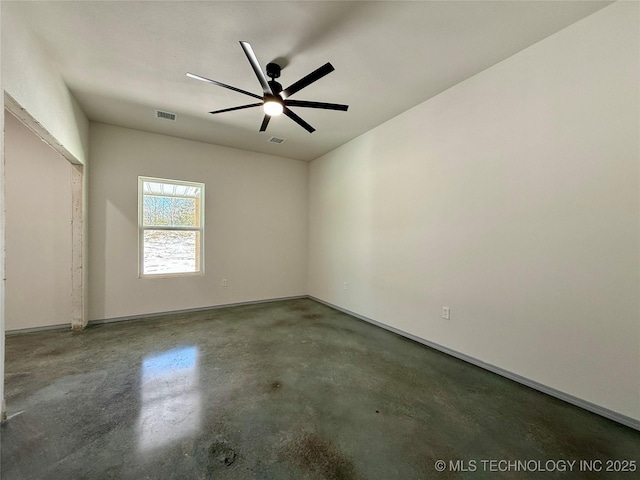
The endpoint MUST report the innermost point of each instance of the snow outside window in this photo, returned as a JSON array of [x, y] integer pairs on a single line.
[[171, 227]]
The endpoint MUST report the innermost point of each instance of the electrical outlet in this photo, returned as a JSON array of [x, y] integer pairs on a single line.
[[345, 286], [223, 282], [446, 313]]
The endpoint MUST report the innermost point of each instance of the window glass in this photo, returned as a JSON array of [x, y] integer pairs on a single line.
[[171, 218]]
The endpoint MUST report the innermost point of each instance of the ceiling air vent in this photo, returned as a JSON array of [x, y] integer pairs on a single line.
[[166, 115], [276, 140]]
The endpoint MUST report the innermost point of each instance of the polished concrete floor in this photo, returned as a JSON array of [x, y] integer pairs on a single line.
[[282, 390]]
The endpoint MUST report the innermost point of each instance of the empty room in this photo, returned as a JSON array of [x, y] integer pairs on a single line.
[[320, 239]]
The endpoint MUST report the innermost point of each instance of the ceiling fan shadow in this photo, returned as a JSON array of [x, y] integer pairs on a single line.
[[337, 15], [282, 61]]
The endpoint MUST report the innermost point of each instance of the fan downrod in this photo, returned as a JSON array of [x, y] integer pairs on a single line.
[[273, 71]]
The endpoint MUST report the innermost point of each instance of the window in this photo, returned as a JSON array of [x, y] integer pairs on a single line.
[[171, 226]]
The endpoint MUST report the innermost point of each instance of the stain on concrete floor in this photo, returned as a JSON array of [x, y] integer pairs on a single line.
[[222, 454], [280, 390], [317, 454]]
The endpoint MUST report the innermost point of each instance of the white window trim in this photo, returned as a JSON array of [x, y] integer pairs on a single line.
[[142, 228]]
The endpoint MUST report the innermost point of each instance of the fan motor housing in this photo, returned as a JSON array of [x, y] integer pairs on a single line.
[[273, 70]]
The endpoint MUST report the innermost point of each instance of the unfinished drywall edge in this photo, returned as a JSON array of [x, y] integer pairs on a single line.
[[578, 402], [78, 310], [25, 117]]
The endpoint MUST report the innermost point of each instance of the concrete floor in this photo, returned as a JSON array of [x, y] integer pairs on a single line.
[[282, 390]]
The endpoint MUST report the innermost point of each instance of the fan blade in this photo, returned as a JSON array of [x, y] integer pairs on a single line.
[[265, 122], [326, 106], [298, 120], [237, 108], [253, 60], [317, 74], [204, 79]]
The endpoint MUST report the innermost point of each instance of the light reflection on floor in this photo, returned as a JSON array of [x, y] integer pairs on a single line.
[[170, 397]]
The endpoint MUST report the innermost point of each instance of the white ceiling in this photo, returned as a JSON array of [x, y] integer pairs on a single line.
[[124, 60]]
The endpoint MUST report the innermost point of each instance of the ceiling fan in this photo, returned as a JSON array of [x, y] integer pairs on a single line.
[[275, 100]]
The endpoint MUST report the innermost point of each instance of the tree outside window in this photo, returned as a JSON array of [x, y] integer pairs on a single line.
[[171, 226]]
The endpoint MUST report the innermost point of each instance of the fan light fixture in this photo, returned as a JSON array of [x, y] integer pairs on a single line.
[[273, 108]]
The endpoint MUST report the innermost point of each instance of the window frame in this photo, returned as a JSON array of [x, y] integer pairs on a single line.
[[142, 228]]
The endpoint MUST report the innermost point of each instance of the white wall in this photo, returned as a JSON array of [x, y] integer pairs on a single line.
[[255, 226], [33, 80], [38, 230], [511, 198]]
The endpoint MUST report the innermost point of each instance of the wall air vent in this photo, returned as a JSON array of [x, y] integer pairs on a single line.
[[276, 140], [166, 115]]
